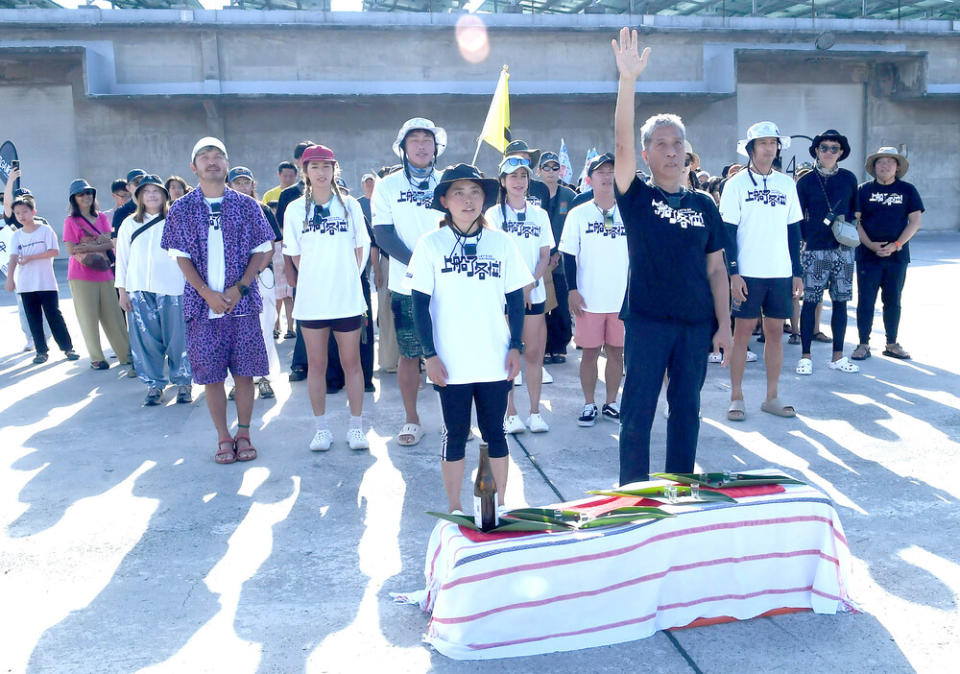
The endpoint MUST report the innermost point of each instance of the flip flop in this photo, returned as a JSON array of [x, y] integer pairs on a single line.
[[778, 409], [821, 337], [248, 453], [896, 351], [737, 411], [224, 456], [413, 430]]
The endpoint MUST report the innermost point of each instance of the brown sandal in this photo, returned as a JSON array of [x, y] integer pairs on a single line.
[[248, 453], [226, 455]]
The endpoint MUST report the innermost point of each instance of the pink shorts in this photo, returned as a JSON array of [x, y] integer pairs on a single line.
[[594, 330]]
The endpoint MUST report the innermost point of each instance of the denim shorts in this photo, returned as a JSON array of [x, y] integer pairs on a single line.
[[407, 342]]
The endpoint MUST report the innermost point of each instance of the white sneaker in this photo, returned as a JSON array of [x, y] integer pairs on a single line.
[[321, 441], [356, 439], [536, 424], [518, 380], [751, 357], [715, 358], [844, 365], [513, 425], [546, 378]]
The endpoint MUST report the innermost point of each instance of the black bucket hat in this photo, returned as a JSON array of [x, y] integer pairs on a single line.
[[490, 186], [521, 146], [80, 185], [831, 134], [151, 180]]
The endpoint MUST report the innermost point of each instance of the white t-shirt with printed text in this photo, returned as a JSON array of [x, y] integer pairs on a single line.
[[467, 297], [328, 280], [530, 234], [761, 209], [397, 202], [35, 275], [601, 252]]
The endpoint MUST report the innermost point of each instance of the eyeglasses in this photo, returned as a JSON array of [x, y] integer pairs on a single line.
[[87, 193], [515, 162], [553, 167], [832, 149]]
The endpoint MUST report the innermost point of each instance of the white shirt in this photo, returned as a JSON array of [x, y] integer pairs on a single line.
[[601, 252], [761, 208], [35, 275], [397, 202], [530, 234], [142, 264], [467, 298], [328, 283], [216, 255]]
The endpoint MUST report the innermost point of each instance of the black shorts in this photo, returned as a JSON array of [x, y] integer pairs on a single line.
[[538, 309], [771, 296], [348, 324]]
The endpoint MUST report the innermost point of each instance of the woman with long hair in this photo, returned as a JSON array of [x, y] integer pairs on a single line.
[[176, 187], [87, 237], [326, 239], [529, 227], [460, 277]]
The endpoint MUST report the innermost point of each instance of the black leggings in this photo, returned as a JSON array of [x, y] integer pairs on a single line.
[[42, 303], [888, 279], [838, 324], [455, 402]]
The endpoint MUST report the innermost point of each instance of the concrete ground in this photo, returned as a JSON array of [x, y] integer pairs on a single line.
[[124, 547]]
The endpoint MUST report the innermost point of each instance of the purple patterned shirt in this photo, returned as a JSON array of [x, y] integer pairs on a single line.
[[244, 228]]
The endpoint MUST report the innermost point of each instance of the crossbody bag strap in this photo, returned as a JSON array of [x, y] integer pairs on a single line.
[[142, 228]]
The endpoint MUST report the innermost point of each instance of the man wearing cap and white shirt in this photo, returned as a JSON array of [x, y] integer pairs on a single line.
[[402, 213], [890, 211], [762, 212], [221, 239], [595, 260]]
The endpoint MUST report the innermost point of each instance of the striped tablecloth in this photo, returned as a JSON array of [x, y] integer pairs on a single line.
[[564, 591]]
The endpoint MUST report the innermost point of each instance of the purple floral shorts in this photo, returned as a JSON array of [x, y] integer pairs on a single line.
[[235, 342]]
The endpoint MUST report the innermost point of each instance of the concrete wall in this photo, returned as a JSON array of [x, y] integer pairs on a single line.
[[97, 93]]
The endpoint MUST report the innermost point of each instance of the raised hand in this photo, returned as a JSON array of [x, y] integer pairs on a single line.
[[630, 62]]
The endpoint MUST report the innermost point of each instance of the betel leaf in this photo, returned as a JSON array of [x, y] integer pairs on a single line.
[[506, 524], [657, 493], [719, 480], [545, 515], [613, 519], [462, 520]]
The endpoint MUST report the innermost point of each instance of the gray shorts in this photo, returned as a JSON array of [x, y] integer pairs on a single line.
[[824, 269]]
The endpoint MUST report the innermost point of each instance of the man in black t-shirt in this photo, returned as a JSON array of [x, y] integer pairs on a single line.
[[677, 298], [123, 212], [889, 213], [557, 205]]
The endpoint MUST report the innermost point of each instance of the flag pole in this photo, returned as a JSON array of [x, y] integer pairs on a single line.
[[475, 154]]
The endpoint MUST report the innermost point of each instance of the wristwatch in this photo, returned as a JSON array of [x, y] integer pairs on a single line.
[[244, 290]]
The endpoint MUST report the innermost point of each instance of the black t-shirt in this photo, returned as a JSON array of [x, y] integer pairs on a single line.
[[814, 191], [538, 193], [288, 195], [368, 217], [272, 221], [668, 251], [557, 208], [883, 215], [122, 214]]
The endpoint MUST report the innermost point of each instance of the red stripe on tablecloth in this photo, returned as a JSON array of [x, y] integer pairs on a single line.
[[633, 581], [630, 548], [621, 623], [719, 620]]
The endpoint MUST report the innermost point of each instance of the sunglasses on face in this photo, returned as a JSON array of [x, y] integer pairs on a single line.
[[832, 149], [87, 193], [551, 167], [515, 162]]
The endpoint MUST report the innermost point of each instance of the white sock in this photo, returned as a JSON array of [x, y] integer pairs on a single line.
[[320, 422], [356, 422]]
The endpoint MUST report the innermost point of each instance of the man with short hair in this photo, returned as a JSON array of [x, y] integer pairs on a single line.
[[221, 239], [557, 205], [125, 210], [288, 173], [678, 300], [402, 213], [595, 262], [118, 189], [762, 213]]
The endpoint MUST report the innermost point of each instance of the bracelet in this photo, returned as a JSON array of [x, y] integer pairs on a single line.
[[898, 245]]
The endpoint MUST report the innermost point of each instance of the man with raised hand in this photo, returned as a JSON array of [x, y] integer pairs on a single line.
[[677, 300], [402, 213], [761, 210]]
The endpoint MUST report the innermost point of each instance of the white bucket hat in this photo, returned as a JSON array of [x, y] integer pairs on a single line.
[[762, 130], [421, 124]]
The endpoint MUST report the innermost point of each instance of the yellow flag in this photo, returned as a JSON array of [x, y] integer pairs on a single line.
[[496, 130]]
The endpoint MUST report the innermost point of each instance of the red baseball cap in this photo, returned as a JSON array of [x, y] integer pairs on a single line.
[[317, 153]]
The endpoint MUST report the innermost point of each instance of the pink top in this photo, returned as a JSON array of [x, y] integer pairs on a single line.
[[75, 229]]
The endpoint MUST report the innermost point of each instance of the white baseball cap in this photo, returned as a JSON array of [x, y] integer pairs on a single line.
[[205, 142], [762, 130]]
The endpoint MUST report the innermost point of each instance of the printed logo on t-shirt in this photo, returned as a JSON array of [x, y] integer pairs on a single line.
[[600, 227], [214, 217], [767, 197], [416, 197], [533, 200], [685, 217], [886, 199], [329, 226], [524, 229], [480, 266]]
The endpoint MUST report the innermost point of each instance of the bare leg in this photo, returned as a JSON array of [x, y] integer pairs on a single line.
[[500, 467], [588, 373], [742, 331], [316, 343], [244, 399], [613, 372], [217, 406], [773, 354], [288, 305], [452, 472], [534, 341], [408, 378], [348, 343]]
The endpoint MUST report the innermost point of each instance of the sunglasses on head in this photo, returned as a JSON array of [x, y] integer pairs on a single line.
[[832, 149], [514, 162]]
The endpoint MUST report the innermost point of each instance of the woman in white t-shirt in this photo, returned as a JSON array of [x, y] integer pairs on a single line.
[[529, 227], [326, 238], [460, 276]]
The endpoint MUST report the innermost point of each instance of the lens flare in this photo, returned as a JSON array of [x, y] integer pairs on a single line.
[[472, 38]]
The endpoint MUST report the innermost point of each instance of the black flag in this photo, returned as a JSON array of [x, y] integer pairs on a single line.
[[8, 154]]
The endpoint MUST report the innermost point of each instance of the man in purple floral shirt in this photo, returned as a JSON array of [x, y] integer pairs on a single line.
[[220, 239]]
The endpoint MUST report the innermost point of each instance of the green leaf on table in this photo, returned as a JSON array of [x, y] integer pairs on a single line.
[[545, 515], [462, 520], [684, 495], [720, 480]]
